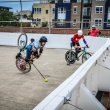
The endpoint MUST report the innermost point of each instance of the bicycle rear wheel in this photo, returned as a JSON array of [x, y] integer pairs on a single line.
[[85, 57], [70, 57], [22, 41], [22, 65]]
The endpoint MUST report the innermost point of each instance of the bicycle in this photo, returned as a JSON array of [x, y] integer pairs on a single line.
[[70, 55], [22, 64]]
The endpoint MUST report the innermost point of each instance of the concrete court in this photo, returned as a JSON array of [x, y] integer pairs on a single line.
[[20, 91]]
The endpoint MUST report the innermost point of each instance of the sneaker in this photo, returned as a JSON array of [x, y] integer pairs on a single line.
[[18, 55]]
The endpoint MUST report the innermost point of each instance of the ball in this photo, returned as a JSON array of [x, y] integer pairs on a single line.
[[45, 80]]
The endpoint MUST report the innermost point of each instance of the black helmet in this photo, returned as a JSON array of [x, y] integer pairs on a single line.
[[43, 39], [32, 40]]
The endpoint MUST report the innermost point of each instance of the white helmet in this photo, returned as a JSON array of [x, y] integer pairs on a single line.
[[80, 32], [93, 26]]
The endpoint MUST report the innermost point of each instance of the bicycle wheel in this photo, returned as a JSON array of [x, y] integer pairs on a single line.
[[22, 65], [22, 41], [85, 57], [70, 57]]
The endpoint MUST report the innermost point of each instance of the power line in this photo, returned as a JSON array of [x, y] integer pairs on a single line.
[[7, 1]]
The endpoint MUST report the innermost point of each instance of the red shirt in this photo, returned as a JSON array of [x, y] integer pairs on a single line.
[[94, 32], [76, 38]]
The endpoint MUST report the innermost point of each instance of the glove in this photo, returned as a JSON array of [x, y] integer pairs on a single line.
[[87, 46]]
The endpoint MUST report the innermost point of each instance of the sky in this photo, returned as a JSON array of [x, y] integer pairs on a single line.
[[16, 5]]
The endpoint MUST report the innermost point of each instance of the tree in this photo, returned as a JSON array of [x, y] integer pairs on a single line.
[[7, 16]]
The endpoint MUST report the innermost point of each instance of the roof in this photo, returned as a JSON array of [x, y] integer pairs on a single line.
[[5, 7]]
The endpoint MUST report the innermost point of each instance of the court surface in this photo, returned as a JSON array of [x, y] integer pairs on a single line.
[[20, 91]]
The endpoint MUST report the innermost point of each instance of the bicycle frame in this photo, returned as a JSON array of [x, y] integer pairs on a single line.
[[83, 51]]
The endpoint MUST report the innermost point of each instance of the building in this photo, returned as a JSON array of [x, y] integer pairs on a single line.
[[73, 13], [86, 13], [5, 8], [107, 15], [62, 13], [43, 13], [98, 12]]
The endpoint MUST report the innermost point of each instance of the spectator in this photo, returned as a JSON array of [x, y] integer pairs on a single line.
[[94, 32]]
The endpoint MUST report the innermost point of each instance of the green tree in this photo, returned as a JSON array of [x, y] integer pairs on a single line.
[[7, 16]]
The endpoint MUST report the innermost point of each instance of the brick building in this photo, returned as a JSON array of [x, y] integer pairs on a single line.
[[75, 13]]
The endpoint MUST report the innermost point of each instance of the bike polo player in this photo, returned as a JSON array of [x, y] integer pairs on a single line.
[[75, 42], [35, 48], [94, 32]]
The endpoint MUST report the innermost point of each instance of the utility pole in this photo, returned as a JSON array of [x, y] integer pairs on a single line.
[[82, 15], [50, 19], [21, 17]]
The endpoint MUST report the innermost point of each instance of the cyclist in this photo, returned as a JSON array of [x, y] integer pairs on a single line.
[[35, 48], [94, 32], [75, 42]]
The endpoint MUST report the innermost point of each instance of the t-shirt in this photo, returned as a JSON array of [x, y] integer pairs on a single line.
[[94, 32], [37, 45], [76, 38]]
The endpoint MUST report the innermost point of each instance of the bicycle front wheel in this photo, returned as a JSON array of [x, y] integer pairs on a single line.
[[22, 65], [85, 57], [22, 41], [70, 57]]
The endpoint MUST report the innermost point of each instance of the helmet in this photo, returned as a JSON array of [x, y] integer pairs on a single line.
[[32, 40], [43, 39], [80, 32], [93, 26]]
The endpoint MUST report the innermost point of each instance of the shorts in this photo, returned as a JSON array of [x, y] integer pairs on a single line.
[[76, 44]]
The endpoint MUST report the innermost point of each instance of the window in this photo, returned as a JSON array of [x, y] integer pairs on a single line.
[[108, 23], [86, 11], [78, 0], [46, 11], [108, 18], [74, 22], [34, 10], [75, 9], [61, 10], [98, 22], [66, 1], [53, 10], [38, 21], [86, 24], [37, 10], [99, 0], [86, 1], [99, 9], [61, 22]]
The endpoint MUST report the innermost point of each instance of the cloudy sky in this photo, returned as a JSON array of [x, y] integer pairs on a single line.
[[16, 5]]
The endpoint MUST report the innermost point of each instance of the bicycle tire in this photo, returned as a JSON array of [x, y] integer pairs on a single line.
[[72, 59], [22, 41], [85, 58], [19, 68]]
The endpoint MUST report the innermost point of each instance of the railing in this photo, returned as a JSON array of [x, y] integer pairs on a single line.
[[80, 89], [54, 27], [54, 24]]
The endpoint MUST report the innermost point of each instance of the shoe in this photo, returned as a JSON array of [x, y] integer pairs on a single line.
[[77, 58], [18, 55]]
